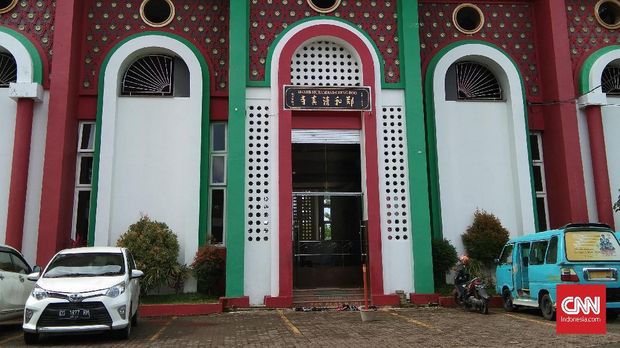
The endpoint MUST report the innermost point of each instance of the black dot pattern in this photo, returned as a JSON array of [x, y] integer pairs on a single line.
[[323, 63], [258, 164], [393, 158]]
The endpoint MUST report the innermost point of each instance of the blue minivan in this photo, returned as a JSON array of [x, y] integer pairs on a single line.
[[530, 267]]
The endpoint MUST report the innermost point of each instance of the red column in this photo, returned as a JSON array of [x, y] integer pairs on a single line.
[[19, 173], [563, 164], [598, 152], [61, 139]]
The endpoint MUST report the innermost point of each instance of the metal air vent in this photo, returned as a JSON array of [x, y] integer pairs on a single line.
[[8, 70]]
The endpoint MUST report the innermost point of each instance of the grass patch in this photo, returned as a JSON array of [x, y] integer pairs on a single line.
[[178, 298]]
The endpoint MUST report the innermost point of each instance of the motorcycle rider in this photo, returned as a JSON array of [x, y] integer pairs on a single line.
[[462, 275]]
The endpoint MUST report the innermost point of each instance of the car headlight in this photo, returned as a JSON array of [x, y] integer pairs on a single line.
[[116, 290], [39, 293]]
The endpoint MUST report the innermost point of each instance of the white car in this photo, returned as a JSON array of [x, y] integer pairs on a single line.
[[14, 285], [84, 290]]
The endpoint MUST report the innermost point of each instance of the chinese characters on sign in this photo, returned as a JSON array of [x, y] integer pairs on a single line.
[[327, 98]]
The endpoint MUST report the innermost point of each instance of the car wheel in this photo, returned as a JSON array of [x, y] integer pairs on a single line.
[[546, 307], [31, 338], [507, 299], [134, 319], [126, 332]]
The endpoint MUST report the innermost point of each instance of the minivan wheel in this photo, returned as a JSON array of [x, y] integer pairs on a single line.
[[31, 338], [507, 299], [546, 307]]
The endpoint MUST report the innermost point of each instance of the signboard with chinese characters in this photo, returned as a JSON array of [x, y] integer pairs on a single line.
[[327, 98]]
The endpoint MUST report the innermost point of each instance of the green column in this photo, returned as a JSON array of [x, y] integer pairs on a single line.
[[235, 200], [416, 146]]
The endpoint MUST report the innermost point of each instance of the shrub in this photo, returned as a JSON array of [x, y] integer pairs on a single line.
[[485, 238], [444, 258], [155, 249], [208, 266]]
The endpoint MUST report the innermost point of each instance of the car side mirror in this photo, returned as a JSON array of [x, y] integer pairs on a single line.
[[36, 269], [496, 261], [136, 273], [34, 276]]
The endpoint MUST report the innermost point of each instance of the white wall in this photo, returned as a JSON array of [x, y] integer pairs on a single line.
[[475, 166], [8, 108], [397, 254], [261, 259], [482, 151], [611, 126], [586, 159], [35, 179], [156, 168], [149, 160]]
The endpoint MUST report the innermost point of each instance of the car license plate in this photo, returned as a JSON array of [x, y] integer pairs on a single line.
[[600, 275], [72, 314]]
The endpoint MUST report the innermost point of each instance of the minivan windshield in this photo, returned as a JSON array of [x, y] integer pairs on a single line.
[[86, 265], [591, 246]]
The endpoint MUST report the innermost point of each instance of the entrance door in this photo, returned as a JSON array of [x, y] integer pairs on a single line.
[[327, 216]]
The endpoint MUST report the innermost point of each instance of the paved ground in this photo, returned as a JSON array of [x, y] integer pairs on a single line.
[[412, 327]]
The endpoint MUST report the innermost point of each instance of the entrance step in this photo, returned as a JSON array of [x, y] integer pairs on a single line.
[[328, 297]]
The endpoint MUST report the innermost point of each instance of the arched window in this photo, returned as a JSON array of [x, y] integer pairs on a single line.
[[8, 70], [610, 81], [156, 75], [472, 81]]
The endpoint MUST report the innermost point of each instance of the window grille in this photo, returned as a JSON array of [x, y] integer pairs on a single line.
[[151, 75], [476, 82], [610, 81], [8, 70]]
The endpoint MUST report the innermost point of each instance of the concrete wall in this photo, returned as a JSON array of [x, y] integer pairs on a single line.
[[8, 108], [611, 125]]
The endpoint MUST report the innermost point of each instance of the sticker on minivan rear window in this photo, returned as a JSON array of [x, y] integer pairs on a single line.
[[591, 246]]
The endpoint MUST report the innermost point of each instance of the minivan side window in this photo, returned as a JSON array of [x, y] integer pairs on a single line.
[[506, 257], [537, 252], [552, 251]]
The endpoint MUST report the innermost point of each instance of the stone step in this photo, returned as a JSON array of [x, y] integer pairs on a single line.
[[328, 297]]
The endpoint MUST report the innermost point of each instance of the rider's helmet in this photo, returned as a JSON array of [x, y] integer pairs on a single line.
[[464, 259]]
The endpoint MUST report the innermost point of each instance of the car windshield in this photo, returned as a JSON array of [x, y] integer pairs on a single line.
[[86, 265], [591, 246]]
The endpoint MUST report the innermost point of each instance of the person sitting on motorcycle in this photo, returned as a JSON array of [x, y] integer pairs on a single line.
[[462, 275]]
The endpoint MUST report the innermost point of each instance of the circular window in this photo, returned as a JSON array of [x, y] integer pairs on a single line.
[[324, 6], [157, 13], [468, 18], [7, 5], [607, 13]]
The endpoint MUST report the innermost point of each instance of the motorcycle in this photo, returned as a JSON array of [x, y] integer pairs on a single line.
[[472, 295]]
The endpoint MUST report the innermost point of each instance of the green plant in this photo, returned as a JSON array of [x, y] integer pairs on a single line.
[[444, 258], [478, 269], [208, 266], [155, 249], [485, 238]]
